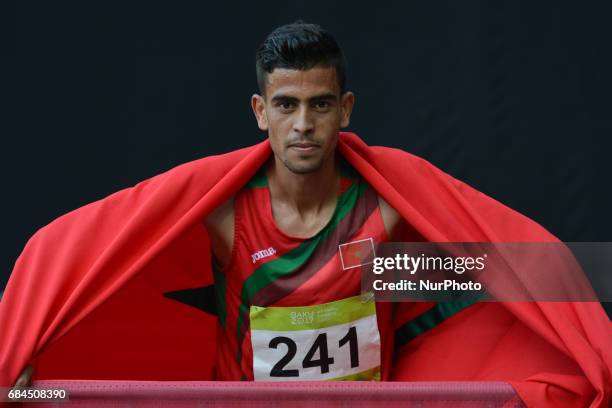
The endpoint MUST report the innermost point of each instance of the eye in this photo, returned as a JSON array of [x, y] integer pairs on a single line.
[[286, 106], [322, 105]]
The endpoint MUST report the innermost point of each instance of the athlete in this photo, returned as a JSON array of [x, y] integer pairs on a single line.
[[304, 197]]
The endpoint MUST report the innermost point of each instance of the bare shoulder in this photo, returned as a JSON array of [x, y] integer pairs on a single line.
[[391, 218], [220, 227]]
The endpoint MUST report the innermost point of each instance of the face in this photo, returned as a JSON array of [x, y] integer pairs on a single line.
[[302, 111]]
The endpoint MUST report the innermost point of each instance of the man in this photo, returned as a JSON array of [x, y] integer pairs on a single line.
[[274, 223], [302, 106]]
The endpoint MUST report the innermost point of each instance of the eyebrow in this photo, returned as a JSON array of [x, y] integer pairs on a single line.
[[323, 97], [287, 98]]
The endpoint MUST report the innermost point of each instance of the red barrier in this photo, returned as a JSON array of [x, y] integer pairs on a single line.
[[88, 393]]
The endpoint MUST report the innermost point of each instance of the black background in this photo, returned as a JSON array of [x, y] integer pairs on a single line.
[[514, 98]]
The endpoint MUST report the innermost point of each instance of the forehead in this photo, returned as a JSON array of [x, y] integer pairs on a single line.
[[302, 84]]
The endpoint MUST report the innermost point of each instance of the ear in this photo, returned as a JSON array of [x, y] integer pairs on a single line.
[[259, 109], [346, 105]]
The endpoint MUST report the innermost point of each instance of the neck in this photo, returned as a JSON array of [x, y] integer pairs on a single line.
[[306, 193]]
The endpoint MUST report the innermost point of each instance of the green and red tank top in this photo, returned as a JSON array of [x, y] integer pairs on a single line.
[[269, 268]]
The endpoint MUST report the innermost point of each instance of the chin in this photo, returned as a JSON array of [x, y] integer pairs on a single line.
[[303, 166]]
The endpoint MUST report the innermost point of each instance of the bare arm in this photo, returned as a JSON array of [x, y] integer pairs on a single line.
[[394, 223], [220, 227]]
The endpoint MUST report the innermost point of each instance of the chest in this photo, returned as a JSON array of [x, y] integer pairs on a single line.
[[301, 225]]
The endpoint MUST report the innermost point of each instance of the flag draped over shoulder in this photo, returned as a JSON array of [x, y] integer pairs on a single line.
[[93, 294]]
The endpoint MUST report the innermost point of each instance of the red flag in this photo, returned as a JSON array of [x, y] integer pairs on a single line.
[[93, 293]]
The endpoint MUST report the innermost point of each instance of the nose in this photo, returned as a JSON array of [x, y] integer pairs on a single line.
[[303, 123]]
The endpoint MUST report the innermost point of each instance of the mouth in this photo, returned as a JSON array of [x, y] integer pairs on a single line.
[[304, 147]]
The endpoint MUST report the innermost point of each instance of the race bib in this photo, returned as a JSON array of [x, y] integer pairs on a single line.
[[332, 341]]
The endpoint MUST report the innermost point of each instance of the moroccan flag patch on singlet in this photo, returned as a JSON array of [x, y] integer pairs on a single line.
[[269, 270]]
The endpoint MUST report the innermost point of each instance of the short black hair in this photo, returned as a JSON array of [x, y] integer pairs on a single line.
[[299, 46]]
